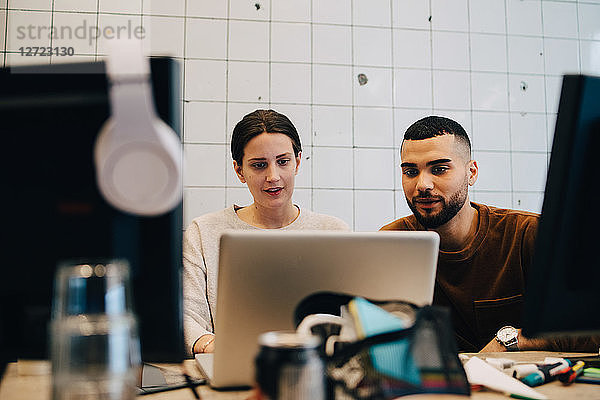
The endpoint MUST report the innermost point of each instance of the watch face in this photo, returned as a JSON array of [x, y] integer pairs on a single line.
[[507, 333]]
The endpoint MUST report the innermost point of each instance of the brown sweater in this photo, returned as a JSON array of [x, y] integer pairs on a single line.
[[484, 283]]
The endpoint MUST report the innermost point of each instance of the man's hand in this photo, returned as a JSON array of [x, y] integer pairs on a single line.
[[523, 343], [205, 344], [493, 346]]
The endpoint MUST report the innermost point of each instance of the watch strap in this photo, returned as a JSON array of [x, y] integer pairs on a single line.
[[514, 346]]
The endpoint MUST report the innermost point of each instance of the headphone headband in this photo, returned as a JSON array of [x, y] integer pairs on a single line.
[[138, 157]]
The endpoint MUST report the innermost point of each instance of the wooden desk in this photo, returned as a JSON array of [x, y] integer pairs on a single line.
[[21, 386], [21, 383]]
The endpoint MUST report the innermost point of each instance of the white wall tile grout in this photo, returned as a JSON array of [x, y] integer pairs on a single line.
[[544, 63], [470, 65], [270, 47], [352, 165], [353, 122], [312, 122], [508, 92], [97, 13], [5, 39], [394, 144], [227, 162]]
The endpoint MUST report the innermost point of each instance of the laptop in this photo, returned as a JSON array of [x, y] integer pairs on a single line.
[[263, 276]]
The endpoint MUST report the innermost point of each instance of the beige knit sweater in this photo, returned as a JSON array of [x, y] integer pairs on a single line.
[[201, 261]]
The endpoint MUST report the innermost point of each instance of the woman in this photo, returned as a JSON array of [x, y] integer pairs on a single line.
[[266, 152]]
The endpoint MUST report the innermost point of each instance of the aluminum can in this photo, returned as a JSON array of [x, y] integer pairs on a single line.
[[288, 366]]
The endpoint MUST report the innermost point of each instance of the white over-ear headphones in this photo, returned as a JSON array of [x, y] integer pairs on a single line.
[[138, 157]]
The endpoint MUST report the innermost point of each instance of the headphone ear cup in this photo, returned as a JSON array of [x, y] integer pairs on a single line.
[[139, 175]]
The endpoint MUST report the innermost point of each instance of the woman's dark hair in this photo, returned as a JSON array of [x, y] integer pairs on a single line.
[[433, 125], [258, 122]]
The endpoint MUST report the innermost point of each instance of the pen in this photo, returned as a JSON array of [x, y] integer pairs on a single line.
[[592, 372], [576, 370], [561, 370], [565, 365], [590, 361], [522, 370], [586, 379], [544, 374], [519, 396]]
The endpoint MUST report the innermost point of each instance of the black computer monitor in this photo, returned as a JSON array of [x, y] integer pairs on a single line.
[[51, 208], [563, 285]]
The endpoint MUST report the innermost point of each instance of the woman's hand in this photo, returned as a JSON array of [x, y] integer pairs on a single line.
[[205, 344]]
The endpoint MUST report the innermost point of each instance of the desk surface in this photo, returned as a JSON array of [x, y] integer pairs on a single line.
[[32, 382]]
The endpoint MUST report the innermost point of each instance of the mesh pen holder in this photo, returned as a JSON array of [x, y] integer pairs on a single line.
[[419, 359], [428, 364]]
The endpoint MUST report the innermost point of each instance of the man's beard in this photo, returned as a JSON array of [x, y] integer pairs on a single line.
[[448, 211]]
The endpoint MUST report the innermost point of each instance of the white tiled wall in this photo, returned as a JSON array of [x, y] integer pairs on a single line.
[[493, 65]]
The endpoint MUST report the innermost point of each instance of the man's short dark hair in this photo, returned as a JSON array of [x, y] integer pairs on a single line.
[[433, 125]]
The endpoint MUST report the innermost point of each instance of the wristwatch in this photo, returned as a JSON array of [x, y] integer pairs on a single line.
[[508, 337]]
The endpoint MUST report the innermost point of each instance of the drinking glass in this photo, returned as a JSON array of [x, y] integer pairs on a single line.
[[95, 345]]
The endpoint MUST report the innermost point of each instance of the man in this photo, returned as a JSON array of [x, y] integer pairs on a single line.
[[484, 251]]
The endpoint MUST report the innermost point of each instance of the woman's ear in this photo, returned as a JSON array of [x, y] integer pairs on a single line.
[[298, 159], [238, 171]]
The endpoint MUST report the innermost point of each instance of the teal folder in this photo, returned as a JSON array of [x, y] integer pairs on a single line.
[[392, 359]]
